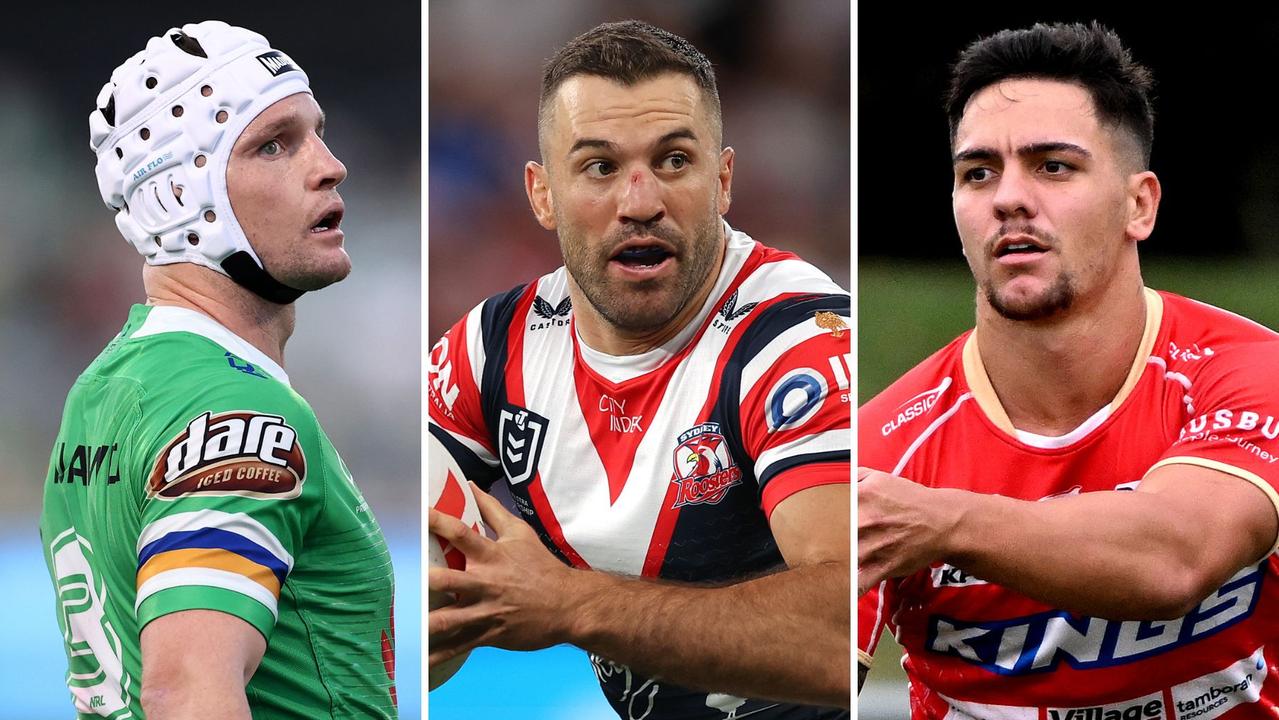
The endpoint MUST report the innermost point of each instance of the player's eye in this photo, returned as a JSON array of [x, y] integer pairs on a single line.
[[271, 148], [977, 174], [600, 169], [1056, 167], [675, 162]]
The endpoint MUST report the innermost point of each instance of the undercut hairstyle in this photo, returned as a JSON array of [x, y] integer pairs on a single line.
[[627, 53], [1091, 56]]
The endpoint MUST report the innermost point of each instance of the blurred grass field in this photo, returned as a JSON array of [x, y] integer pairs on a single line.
[[906, 311]]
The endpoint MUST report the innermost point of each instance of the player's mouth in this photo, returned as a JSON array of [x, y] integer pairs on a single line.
[[642, 257], [329, 221], [1019, 249]]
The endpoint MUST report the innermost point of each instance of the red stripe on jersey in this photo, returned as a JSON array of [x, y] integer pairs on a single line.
[[515, 395], [800, 478], [618, 408]]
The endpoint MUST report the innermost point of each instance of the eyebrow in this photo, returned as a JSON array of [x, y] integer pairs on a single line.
[[274, 127], [680, 134], [986, 153]]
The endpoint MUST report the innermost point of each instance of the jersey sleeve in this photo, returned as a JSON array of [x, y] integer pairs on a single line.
[[454, 401], [796, 411], [232, 479], [1233, 409]]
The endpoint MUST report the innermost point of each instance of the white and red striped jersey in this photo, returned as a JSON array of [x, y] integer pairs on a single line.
[[1201, 391], [665, 464]]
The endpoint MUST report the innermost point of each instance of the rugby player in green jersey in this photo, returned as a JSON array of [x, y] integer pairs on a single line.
[[211, 556]]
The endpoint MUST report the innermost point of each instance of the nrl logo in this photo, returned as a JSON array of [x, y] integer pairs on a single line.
[[730, 312], [704, 468], [544, 309], [240, 453], [521, 434]]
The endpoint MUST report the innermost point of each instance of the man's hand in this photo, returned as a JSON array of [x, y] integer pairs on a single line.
[[901, 527], [512, 595]]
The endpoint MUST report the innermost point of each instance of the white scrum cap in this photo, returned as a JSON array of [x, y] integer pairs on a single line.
[[163, 131]]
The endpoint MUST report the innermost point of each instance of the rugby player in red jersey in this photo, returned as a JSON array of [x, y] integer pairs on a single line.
[[1069, 512]]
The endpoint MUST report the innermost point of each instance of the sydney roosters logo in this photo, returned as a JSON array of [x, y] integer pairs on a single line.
[[704, 467]]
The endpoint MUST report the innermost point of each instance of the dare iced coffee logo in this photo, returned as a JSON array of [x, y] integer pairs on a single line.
[[239, 453]]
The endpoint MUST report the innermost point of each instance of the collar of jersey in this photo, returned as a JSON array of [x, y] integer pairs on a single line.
[[167, 319], [984, 393], [620, 368]]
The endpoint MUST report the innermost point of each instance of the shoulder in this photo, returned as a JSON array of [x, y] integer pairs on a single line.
[[1203, 342], [924, 392]]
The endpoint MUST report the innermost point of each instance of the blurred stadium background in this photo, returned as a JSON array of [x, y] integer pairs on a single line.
[[783, 75], [1215, 153], [67, 279]]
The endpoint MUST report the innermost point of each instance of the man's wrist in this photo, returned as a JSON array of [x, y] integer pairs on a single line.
[[583, 591]]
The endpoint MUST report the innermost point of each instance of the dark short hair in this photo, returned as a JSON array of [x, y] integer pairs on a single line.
[[1089, 55], [628, 52]]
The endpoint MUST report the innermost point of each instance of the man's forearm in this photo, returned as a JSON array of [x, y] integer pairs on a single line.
[[783, 636], [1120, 555]]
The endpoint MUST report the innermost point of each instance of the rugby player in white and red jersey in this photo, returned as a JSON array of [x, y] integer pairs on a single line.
[[1070, 512], [670, 411]]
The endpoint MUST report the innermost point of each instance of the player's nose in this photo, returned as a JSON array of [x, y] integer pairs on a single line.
[[328, 171], [641, 197], [1014, 195]]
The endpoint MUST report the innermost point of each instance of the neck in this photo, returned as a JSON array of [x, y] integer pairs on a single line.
[[601, 335], [1052, 375], [263, 324]]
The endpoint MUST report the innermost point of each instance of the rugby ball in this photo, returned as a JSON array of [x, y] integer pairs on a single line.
[[449, 493]]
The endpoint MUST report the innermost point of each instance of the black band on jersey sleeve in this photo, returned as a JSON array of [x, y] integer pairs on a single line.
[[770, 323], [475, 469], [782, 466], [495, 328]]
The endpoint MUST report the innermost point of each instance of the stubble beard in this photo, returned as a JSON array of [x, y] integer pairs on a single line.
[[651, 305], [1056, 298]]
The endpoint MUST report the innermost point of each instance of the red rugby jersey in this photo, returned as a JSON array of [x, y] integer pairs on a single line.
[[665, 464], [1201, 391]]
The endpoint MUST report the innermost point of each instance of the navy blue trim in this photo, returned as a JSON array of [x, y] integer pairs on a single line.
[[495, 328], [764, 328], [796, 460], [475, 469]]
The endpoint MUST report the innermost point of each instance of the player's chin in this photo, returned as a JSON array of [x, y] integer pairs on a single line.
[[332, 267]]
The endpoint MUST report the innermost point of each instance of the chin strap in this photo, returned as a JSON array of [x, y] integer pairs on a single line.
[[245, 271]]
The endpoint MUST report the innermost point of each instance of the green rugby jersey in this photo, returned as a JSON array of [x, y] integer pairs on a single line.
[[187, 474]]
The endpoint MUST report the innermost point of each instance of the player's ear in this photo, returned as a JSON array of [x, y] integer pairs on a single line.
[[725, 179], [1144, 192], [538, 187]]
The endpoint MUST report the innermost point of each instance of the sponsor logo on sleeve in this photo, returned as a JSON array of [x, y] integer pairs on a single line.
[[521, 434], [704, 467], [915, 407], [794, 399], [443, 391], [1239, 427], [277, 63], [241, 453]]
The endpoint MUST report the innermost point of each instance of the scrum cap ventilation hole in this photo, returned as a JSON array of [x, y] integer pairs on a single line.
[[188, 44]]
